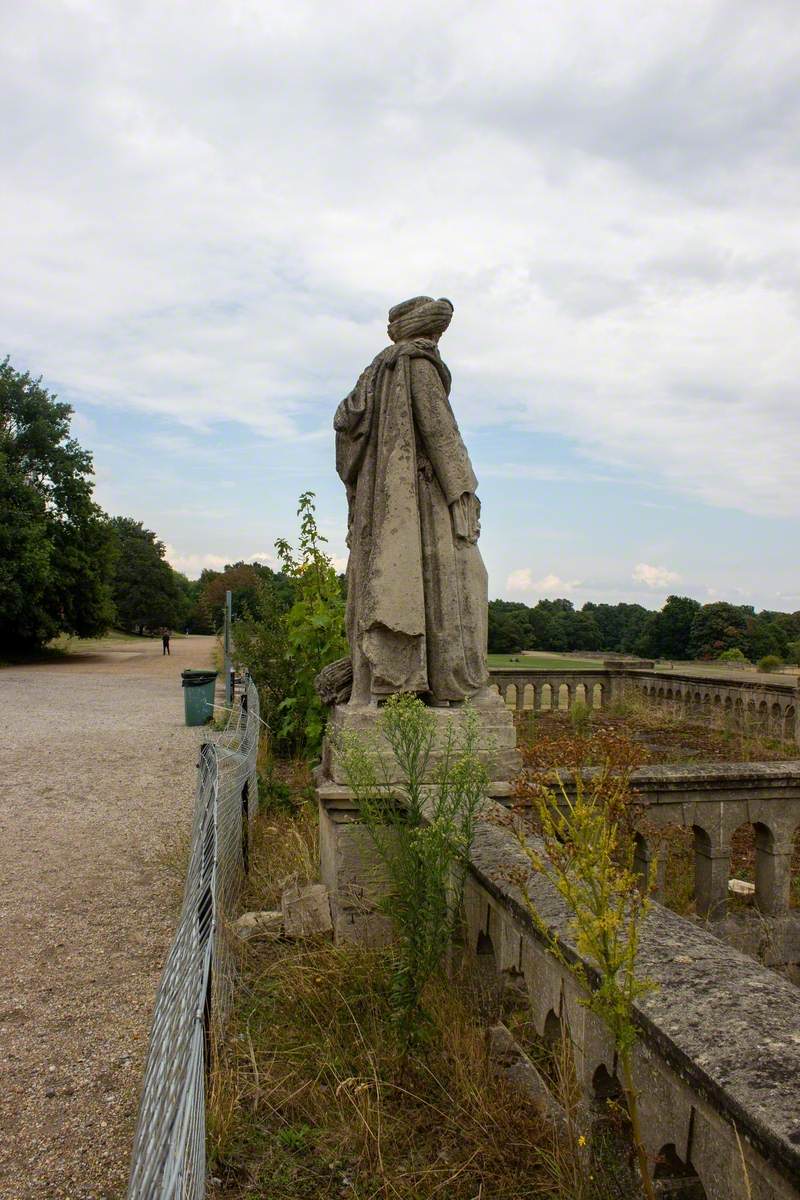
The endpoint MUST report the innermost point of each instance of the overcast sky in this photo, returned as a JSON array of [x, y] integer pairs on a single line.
[[206, 210]]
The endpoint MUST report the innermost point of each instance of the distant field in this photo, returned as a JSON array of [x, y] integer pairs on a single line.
[[726, 671], [543, 662]]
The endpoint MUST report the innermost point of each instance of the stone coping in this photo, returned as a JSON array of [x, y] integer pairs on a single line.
[[729, 1027], [696, 681], [535, 672]]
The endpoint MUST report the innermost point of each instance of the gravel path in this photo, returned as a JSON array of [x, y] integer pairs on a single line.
[[96, 789]]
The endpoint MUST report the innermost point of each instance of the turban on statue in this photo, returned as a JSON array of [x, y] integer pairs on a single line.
[[419, 317]]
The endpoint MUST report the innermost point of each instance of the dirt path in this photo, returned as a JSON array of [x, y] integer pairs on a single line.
[[96, 787]]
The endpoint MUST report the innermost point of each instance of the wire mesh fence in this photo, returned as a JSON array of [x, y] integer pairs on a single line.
[[169, 1154]]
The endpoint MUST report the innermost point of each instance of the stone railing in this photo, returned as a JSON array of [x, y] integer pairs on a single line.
[[525, 688], [718, 1057], [714, 800], [769, 707]]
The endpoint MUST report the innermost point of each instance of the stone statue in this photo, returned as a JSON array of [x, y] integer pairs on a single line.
[[417, 586]]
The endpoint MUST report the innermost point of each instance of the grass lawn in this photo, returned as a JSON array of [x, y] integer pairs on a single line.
[[544, 662]]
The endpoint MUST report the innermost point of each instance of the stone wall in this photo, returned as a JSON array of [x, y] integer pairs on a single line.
[[772, 707], [718, 1051]]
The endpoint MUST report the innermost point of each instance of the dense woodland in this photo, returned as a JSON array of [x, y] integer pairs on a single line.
[[68, 567], [683, 629]]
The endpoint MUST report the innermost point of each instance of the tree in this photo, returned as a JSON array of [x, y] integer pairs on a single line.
[[56, 547], [147, 592], [717, 627], [244, 581], [509, 628], [667, 634]]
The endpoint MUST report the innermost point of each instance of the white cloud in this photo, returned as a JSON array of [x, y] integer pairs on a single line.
[[521, 580], [207, 210], [193, 564], [654, 577]]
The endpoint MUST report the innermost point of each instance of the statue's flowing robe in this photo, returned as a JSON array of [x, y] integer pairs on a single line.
[[416, 593]]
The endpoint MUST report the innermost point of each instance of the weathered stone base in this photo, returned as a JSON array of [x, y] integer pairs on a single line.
[[497, 744], [349, 864]]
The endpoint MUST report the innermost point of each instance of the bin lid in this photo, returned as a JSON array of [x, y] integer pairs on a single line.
[[192, 678]]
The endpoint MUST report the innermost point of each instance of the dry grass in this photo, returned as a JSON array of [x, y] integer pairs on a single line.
[[715, 736], [312, 1098], [326, 1106]]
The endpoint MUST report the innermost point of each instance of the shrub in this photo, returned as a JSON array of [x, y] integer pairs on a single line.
[[314, 629], [422, 841], [793, 653], [285, 650], [580, 717], [734, 655], [586, 853], [770, 662]]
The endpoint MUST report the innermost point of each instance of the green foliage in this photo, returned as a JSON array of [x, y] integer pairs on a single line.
[[423, 841], [586, 853], [261, 644], [314, 629], [770, 662], [244, 581], [56, 549], [580, 717], [286, 646], [733, 656], [147, 592], [667, 634], [683, 629], [793, 652]]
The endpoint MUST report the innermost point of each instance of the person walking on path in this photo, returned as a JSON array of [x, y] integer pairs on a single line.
[[164, 642]]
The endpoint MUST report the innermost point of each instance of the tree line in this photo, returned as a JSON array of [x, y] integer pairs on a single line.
[[682, 629], [68, 567]]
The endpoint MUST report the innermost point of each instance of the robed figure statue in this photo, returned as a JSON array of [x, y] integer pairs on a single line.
[[416, 583]]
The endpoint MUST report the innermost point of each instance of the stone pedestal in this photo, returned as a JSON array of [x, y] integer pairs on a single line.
[[349, 865]]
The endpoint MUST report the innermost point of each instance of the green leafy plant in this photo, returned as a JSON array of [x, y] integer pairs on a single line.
[[770, 662], [314, 628], [285, 647], [733, 656], [422, 833], [580, 717], [585, 850]]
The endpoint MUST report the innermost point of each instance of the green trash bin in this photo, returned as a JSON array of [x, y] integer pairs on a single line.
[[198, 695]]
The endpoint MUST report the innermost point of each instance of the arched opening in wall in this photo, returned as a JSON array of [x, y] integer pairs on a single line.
[[676, 843], [605, 1087], [612, 1145], [776, 722], [750, 724], [546, 697], [556, 697], [494, 688], [641, 859], [528, 696], [742, 879], [511, 695], [678, 1178], [579, 694], [558, 1063], [486, 984], [597, 696], [552, 1033], [790, 723]]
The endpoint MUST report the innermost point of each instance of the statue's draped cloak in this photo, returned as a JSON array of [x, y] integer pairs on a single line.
[[417, 594]]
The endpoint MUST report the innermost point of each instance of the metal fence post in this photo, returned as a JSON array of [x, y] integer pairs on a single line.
[[227, 649]]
